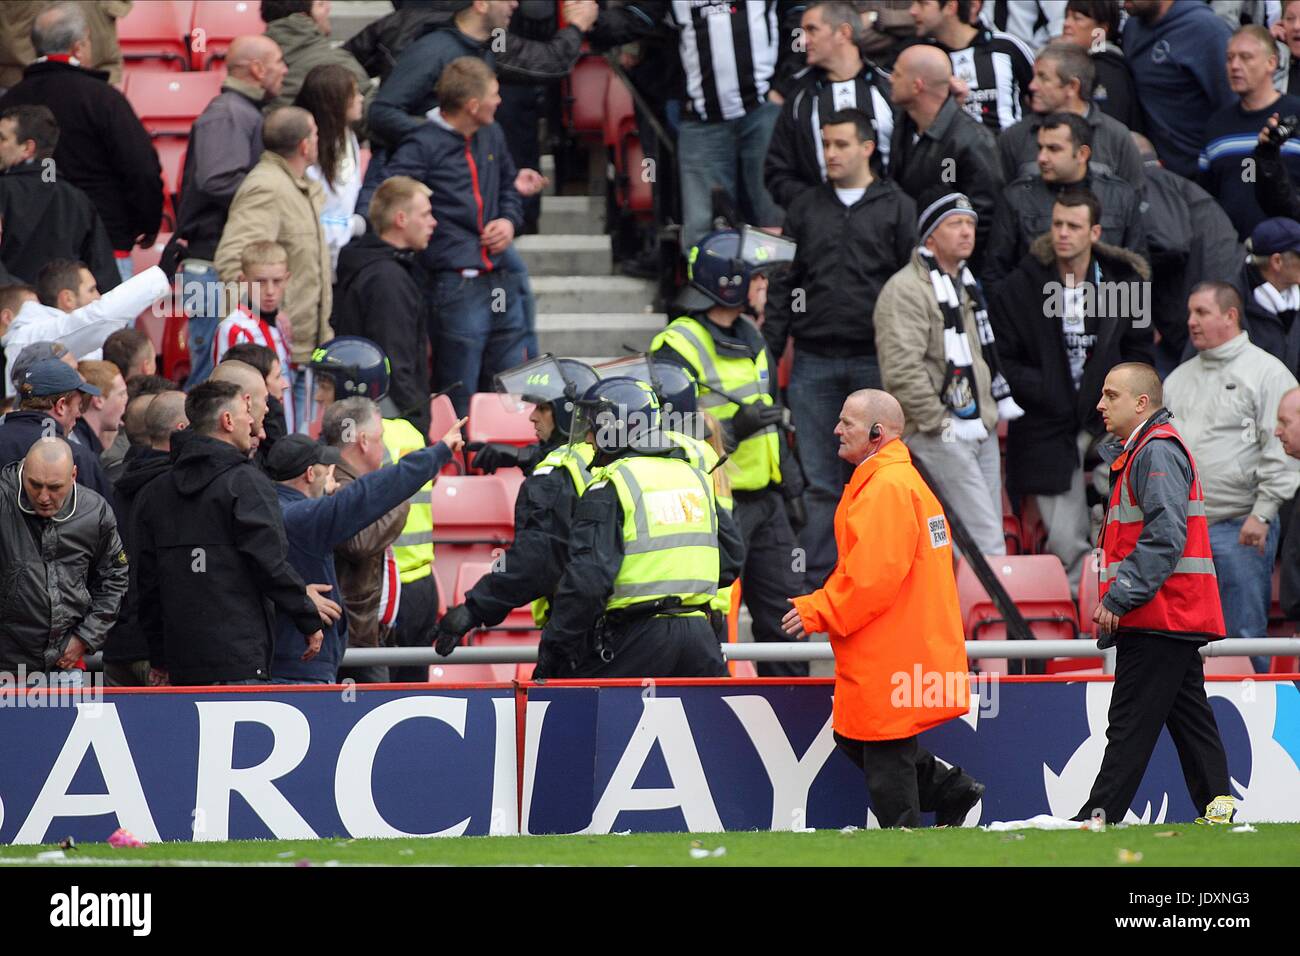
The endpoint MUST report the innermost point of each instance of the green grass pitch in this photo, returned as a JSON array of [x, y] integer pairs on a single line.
[[1171, 845]]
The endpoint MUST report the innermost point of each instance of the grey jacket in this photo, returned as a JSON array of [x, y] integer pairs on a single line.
[[75, 591], [1163, 500]]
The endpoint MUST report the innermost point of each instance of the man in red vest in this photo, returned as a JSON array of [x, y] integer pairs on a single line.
[[1159, 603]]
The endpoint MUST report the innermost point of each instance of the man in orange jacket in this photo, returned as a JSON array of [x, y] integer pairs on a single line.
[[890, 607]]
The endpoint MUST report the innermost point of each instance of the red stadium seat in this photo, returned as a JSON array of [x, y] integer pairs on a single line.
[[518, 622], [168, 103], [1038, 586], [491, 420], [1089, 595], [442, 415], [586, 87], [171, 155], [619, 111], [472, 521], [514, 479], [216, 23], [1236, 666], [153, 36], [639, 197]]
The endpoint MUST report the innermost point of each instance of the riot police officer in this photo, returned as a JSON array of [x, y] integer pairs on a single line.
[[727, 354], [647, 551], [531, 567]]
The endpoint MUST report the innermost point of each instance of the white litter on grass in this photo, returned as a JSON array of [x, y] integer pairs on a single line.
[[1244, 828], [285, 855], [622, 833], [849, 829], [699, 853], [51, 855], [406, 853], [1043, 821], [803, 829]]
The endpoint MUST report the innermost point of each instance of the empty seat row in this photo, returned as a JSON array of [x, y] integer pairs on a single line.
[[182, 35]]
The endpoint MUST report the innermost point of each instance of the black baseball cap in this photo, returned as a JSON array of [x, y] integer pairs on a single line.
[[291, 455], [53, 377]]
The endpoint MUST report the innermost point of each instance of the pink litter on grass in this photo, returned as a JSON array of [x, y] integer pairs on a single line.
[[122, 837]]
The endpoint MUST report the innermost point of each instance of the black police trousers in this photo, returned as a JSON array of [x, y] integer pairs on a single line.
[[769, 577], [668, 646], [1159, 682]]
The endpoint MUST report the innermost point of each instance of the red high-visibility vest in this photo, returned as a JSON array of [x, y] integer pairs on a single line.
[[1188, 601]]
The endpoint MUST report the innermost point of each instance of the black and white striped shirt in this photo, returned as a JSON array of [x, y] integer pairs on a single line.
[[998, 68], [868, 92], [729, 52]]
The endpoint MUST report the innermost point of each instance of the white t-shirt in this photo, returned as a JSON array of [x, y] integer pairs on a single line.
[[850, 196]]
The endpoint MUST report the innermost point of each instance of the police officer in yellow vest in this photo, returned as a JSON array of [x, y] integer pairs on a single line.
[[685, 427], [647, 551], [530, 569], [727, 354], [351, 365]]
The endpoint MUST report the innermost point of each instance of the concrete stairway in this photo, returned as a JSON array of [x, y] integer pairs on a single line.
[[583, 308]]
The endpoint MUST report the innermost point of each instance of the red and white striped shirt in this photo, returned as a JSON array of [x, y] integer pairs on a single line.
[[243, 326], [390, 595]]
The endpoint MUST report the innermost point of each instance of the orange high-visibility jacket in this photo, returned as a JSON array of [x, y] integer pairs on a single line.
[[890, 606]]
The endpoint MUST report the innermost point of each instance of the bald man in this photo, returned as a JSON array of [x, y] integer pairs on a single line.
[[937, 145], [890, 607], [63, 564], [1159, 603], [253, 386], [1288, 432], [225, 144]]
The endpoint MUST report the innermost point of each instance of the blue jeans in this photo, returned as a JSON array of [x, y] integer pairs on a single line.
[[125, 267], [1245, 580], [816, 393], [728, 155], [513, 263], [204, 313], [478, 328], [303, 389]]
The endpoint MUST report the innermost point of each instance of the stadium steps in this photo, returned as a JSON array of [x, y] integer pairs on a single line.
[[566, 255], [572, 216]]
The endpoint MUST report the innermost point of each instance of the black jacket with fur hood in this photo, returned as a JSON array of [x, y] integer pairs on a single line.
[[1025, 311]]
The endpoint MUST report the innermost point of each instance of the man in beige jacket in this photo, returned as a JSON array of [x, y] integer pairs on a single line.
[[16, 51], [277, 201], [932, 361]]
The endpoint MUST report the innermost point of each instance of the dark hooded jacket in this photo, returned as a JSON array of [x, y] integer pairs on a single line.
[[1042, 451], [378, 297], [126, 642], [213, 566]]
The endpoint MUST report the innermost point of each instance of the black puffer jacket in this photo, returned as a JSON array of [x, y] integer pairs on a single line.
[[1025, 213], [126, 642], [213, 566], [378, 297], [59, 577]]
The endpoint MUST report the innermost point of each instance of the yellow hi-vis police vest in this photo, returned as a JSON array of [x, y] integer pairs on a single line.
[[414, 546], [756, 462], [702, 456], [576, 460], [670, 532]]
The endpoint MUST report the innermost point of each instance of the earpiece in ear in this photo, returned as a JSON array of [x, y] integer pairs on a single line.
[[875, 433]]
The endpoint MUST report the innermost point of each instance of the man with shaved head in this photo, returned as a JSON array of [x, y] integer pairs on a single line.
[[64, 568], [253, 387], [1287, 431], [890, 607], [937, 144], [1159, 603], [225, 145], [277, 201]]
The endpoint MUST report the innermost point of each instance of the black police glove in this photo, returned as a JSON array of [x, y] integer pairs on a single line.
[[173, 253], [754, 417], [489, 456], [452, 628], [797, 512]]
